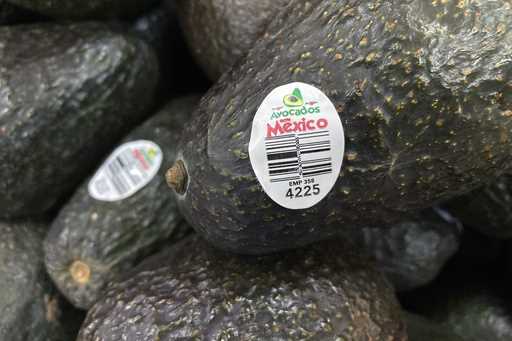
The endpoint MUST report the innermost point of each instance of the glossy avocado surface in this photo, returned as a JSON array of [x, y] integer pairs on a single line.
[[92, 242], [195, 292], [423, 92], [68, 93]]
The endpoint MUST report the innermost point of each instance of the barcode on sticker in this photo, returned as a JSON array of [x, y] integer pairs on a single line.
[[297, 145], [296, 156], [129, 168], [122, 176]]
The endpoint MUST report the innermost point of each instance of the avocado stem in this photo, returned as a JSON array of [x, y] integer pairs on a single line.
[[80, 272], [177, 177]]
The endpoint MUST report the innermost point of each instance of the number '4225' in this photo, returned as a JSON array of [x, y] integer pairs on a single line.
[[303, 191]]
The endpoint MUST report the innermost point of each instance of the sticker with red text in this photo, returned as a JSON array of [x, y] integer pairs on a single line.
[[297, 145], [128, 169]]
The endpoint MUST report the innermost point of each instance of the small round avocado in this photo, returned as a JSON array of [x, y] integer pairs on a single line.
[[329, 291]]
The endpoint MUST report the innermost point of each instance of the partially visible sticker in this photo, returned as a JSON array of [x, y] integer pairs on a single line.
[[128, 169], [297, 145]]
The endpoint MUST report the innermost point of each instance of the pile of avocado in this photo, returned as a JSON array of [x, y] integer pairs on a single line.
[[255, 170]]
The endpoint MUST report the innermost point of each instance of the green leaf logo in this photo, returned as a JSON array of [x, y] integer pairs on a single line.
[[294, 100]]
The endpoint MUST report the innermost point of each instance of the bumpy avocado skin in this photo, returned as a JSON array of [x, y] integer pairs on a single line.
[[195, 292], [220, 32], [68, 93], [411, 253], [487, 209], [111, 237], [91, 9], [422, 89], [421, 329], [29, 305]]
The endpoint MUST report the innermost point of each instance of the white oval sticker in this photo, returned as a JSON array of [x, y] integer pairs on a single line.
[[128, 169], [297, 145]]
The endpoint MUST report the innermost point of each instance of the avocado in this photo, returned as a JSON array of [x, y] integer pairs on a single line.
[[69, 92], [160, 29], [411, 253], [91, 9], [220, 32], [191, 291], [92, 242], [421, 329], [423, 92], [487, 209], [30, 305], [475, 313]]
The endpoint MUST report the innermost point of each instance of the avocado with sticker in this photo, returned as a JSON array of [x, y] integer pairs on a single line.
[[423, 113], [107, 227]]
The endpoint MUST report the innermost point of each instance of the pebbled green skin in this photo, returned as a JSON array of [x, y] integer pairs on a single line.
[[68, 93], [112, 237], [421, 329], [487, 209], [425, 106], [29, 306], [221, 32], [195, 292], [91, 9], [411, 253]]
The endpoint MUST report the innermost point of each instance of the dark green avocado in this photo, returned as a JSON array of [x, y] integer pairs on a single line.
[[411, 253], [487, 209], [473, 313], [421, 329], [91, 242], [424, 92], [220, 32], [68, 93], [80, 9], [195, 292], [30, 307]]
